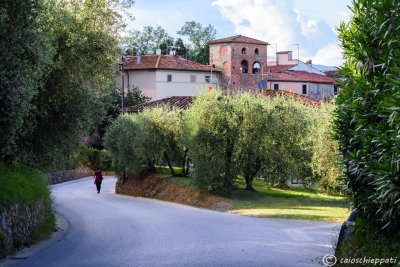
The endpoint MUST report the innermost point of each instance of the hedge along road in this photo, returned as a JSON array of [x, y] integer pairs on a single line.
[[114, 230]]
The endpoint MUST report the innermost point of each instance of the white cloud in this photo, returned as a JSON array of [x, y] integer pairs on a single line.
[[170, 18], [276, 21], [330, 54]]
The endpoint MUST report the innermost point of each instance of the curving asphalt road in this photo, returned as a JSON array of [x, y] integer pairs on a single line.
[[113, 230]]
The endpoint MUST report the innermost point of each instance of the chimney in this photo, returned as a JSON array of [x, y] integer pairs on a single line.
[[309, 62], [139, 57]]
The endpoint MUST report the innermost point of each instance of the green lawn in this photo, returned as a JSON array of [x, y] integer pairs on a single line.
[[293, 203], [296, 202]]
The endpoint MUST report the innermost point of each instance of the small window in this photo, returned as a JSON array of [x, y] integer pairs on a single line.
[[244, 66], [192, 78], [316, 89], [207, 79], [304, 91], [335, 90], [256, 68], [243, 50], [169, 78], [276, 86], [256, 51]]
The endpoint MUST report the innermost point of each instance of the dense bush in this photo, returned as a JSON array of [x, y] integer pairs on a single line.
[[325, 162], [368, 118], [289, 151], [149, 138], [93, 158], [20, 184], [225, 136], [212, 127]]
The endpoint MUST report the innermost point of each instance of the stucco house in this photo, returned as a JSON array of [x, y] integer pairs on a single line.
[[161, 76]]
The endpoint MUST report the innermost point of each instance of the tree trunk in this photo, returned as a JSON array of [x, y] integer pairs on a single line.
[[228, 161], [187, 167], [169, 163], [249, 181], [184, 164]]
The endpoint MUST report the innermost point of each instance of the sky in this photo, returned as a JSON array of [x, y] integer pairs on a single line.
[[282, 23]]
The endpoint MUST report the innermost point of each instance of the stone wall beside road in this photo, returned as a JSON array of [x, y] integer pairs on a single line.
[[18, 225], [68, 175]]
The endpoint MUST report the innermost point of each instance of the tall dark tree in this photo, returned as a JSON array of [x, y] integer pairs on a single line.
[[58, 59], [368, 114], [25, 57]]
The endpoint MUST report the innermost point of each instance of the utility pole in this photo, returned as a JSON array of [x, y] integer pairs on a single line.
[[123, 85]]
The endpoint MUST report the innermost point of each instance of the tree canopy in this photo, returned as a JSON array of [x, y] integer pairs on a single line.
[[150, 38], [59, 60], [367, 123]]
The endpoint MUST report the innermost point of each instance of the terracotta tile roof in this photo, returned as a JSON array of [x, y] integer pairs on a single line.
[[332, 73], [182, 102], [279, 68], [282, 73], [164, 62], [304, 99], [298, 76], [238, 39]]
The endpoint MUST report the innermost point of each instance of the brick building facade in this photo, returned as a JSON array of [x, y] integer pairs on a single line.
[[243, 63], [241, 59]]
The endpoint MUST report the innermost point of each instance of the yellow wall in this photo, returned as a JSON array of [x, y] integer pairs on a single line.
[[144, 79]]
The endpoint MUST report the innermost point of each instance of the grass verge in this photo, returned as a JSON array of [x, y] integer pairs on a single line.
[[370, 242], [294, 203], [19, 185]]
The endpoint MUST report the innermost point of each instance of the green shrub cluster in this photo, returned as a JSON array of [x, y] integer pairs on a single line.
[[368, 118], [149, 138], [20, 184], [23, 185], [93, 158], [223, 136]]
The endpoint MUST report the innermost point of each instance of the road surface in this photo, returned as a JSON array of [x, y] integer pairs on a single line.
[[113, 230]]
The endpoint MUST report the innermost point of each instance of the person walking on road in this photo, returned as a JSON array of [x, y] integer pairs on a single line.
[[98, 177]]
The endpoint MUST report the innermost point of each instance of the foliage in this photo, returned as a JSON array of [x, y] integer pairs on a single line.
[[112, 102], [25, 57], [212, 124], [19, 184], [146, 40], [93, 158], [226, 135], [253, 136], [367, 123], [22, 185], [152, 138], [119, 140], [325, 163], [151, 38], [369, 241], [67, 64], [289, 153], [198, 36]]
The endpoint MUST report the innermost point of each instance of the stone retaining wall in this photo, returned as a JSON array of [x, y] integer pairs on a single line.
[[68, 175], [18, 225]]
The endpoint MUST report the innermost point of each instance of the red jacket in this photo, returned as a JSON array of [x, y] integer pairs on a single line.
[[97, 177]]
